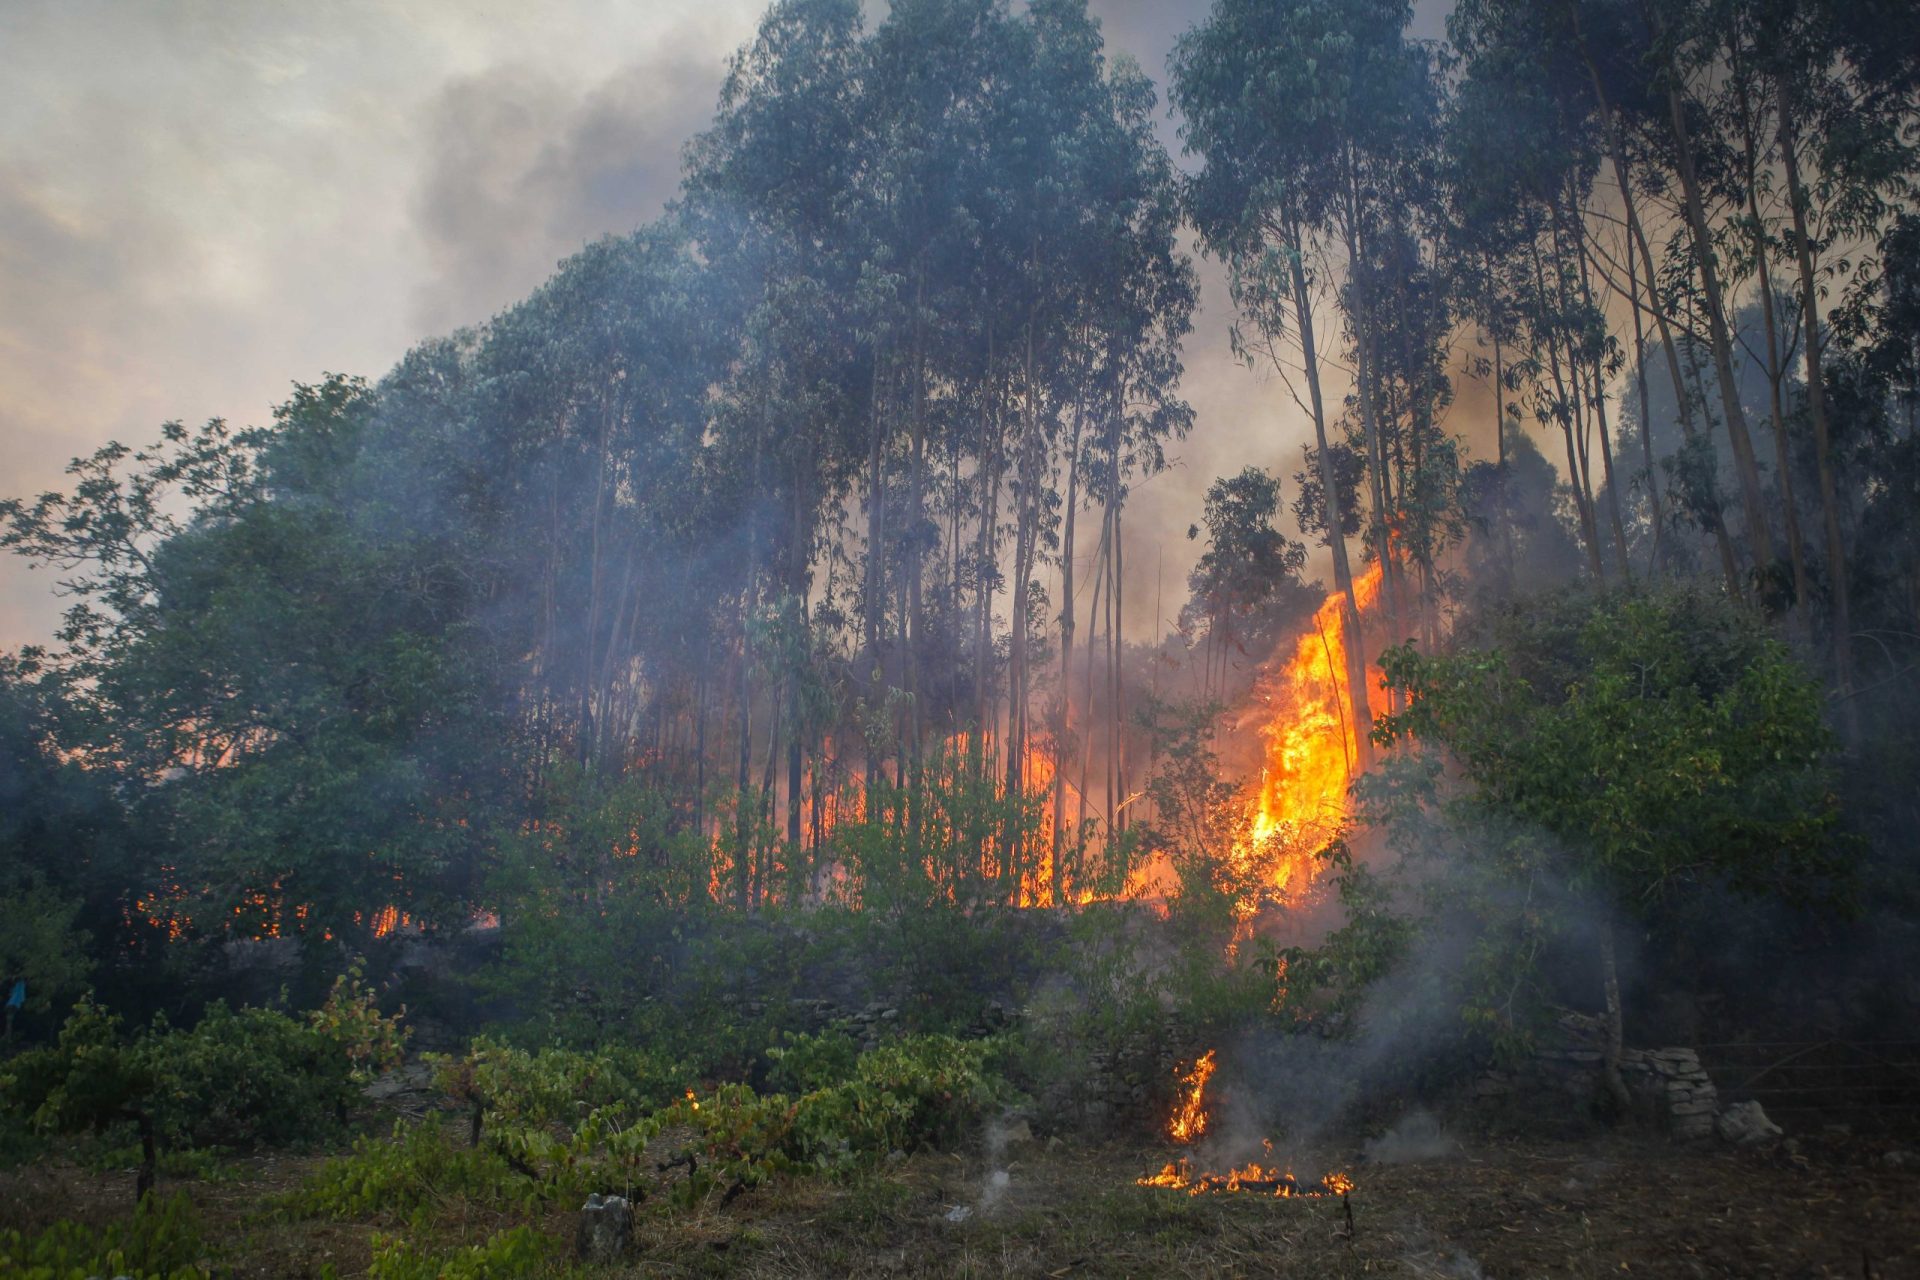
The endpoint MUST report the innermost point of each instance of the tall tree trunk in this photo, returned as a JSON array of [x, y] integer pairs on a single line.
[[1753, 502], [1840, 622], [916, 613], [1657, 516], [875, 584], [1599, 401], [1776, 370], [1331, 510], [1683, 405], [1564, 410], [1063, 725], [1119, 748]]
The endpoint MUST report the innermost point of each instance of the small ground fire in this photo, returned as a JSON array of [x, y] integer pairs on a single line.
[[1189, 1121]]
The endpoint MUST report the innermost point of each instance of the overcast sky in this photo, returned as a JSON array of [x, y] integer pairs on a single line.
[[202, 201]]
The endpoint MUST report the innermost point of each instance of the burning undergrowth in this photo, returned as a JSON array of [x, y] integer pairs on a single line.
[[1191, 1122]]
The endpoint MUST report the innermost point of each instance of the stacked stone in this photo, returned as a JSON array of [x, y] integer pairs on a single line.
[[1669, 1083], [870, 1024], [1674, 1083], [1126, 1086]]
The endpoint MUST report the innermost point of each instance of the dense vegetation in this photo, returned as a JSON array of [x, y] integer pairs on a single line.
[[710, 631]]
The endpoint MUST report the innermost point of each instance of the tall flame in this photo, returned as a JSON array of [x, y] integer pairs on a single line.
[[1189, 1118], [1312, 740]]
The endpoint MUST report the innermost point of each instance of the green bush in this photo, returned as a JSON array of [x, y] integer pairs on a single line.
[[162, 1241], [922, 1091], [554, 1086], [802, 1063], [507, 1255], [417, 1166], [243, 1078]]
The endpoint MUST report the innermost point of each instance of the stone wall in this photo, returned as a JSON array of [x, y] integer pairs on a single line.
[[1669, 1086]]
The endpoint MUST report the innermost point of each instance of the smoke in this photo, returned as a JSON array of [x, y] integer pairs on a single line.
[[525, 168], [1416, 1136]]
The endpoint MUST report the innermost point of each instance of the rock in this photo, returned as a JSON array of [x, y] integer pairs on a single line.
[[606, 1229], [1900, 1160], [1745, 1124], [1016, 1133]]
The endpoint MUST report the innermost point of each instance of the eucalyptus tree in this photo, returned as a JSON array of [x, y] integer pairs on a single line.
[[1298, 112], [1844, 103], [770, 198]]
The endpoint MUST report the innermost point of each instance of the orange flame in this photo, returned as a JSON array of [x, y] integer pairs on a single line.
[[1312, 743], [1190, 1117], [1253, 1178]]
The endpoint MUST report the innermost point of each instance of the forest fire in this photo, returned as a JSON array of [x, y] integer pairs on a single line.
[[1189, 1122], [1312, 747]]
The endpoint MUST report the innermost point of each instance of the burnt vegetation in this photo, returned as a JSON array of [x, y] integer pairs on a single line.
[[697, 737]]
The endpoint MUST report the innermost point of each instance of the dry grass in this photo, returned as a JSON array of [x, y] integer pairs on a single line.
[[1618, 1206]]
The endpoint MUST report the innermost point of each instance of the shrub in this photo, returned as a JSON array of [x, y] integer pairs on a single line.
[[246, 1077], [506, 1255], [162, 1241], [919, 1091], [805, 1062], [417, 1166]]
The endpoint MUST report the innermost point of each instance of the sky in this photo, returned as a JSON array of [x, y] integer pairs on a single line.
[[205, 201]]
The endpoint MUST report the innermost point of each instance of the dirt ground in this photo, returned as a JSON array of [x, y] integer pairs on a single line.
[[1620, 1205]]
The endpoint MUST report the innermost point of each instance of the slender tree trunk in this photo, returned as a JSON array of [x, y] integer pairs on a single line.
[[1683, 400], [1599, 400], [1646, 413], [1759, 528], [916, 613], [1564, 408], [876, 566], [1840, 622], [1093, 635], [1332, 511], [1119, 748], [1776, 371], [1614, 1045], [1063, 726]]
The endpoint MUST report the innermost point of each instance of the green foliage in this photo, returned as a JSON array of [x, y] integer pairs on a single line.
[[162, 1241], [559, 1125], [351, 1021], [245, 1077], [237, 1079], [554, 1085], [1661, 739], [418, 1167], [1326, 985], [1622, 751], [506, 1255], [803, 1063], [39, 943], [89, 1078], [920, 1091], [1249, 565]]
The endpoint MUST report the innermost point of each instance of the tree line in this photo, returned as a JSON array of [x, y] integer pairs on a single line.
[[753, 549]]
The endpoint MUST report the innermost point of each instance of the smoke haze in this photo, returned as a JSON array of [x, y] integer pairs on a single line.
[[202, 203]]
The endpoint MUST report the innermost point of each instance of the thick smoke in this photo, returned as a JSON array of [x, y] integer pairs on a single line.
[[525, 168]]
